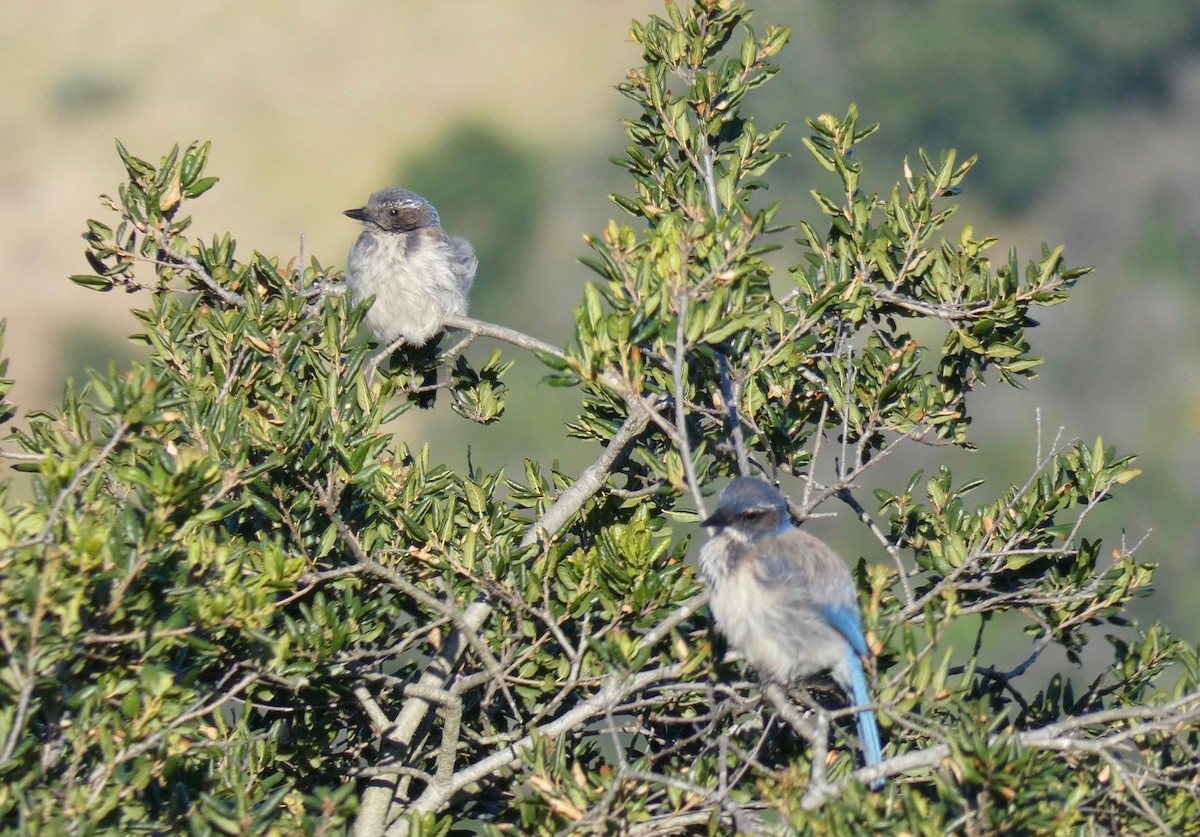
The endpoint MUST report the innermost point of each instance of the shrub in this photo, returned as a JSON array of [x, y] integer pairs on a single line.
[[235, 602]]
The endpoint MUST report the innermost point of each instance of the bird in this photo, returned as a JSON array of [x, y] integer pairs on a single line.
[[419, 275], [784, 600]]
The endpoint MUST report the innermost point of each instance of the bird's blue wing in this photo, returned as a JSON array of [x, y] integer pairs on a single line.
[[818, 586], [846, 621]]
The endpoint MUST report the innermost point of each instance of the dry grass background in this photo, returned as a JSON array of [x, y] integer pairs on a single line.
[[310, 107]]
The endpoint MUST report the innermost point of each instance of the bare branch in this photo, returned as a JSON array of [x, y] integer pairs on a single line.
[[679, 372], [615, 689], [571, 500], [377, 799], [505, 334], [846, 497], [21, 456], [446, 608], [730, 393], [1055, 737]]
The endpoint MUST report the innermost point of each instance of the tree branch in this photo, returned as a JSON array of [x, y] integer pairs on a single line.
[[505, 334], [615, 689], [679, 373], [377, 800], [1053, 737], [571, 500], [21, 456]]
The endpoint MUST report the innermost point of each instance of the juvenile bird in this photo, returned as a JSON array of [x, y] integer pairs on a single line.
[[784, 599], [418, 275]]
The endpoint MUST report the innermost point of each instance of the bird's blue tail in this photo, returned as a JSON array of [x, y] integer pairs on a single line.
[[868, 730]]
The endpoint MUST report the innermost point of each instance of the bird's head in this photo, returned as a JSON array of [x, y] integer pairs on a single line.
[[396, 210], [751, 506]]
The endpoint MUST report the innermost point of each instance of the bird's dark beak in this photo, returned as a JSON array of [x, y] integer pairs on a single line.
[[716, 519], [359, 214]]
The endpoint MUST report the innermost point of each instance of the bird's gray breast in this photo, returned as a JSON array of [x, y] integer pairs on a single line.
[[763, 604], [417, 281]]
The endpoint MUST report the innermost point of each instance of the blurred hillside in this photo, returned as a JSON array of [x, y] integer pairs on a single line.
[[504, 114], [310, 108]]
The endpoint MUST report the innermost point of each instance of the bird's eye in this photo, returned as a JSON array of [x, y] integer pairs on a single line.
[[395, 213]]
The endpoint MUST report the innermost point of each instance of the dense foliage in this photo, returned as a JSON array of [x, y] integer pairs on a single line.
[[233, 601]]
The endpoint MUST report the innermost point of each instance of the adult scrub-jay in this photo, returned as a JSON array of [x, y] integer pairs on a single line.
[[784, 599]]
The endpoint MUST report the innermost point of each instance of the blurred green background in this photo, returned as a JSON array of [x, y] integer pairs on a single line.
[[1086, 116]]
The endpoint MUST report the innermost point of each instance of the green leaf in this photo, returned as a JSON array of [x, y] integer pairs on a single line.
[[96, 283], [199, 187]]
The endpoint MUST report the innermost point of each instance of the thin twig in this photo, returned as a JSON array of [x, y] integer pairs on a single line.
[[1053, 737], [505, 334], [678, 371], [446, 608], [377, 800], [571, 500], [849, 499], [615, 689], [21, 456], [730, 394], [101, 773], [227, 296], [71, 487]]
